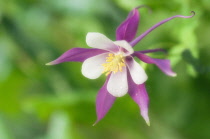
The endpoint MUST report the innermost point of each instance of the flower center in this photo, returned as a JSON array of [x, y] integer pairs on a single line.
[[114, 63]]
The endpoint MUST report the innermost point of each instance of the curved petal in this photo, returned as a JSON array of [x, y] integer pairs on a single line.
[[118, 84], [125, 46], [100, 41], [139, 94], [92, 67], [76, 55], [127, 30], [139, 38], [137, 72], [163, 64], [104, 102]]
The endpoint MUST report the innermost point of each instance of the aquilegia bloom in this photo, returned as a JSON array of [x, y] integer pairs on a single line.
[[115, 59]]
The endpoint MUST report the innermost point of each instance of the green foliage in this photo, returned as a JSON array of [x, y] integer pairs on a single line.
[[57, 102]]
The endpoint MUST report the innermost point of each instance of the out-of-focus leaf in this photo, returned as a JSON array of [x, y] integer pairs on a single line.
[[4, 133], [59, 126], [45, 105], [195, 63], [5, 58]]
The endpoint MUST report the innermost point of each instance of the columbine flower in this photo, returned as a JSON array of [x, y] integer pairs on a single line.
[[115, 59]]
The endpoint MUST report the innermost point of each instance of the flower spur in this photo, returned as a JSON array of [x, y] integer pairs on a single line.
[[115, 59]]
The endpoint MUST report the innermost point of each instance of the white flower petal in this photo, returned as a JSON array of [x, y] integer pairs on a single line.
[[137, 72], [124, 44], [100, 41], [92, 67], [118, 84]]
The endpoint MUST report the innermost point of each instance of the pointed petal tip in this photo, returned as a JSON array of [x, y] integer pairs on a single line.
[[52, 63], [148, 123], [146, 118], [49, 64], [95, 122], [174, 75]]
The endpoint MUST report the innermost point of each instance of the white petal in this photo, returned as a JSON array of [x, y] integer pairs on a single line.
[[118, 84], [137, 72], [100, 41], [92, 67], [125, 45]]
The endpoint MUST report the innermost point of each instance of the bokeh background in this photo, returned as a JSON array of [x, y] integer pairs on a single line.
[[57, 102]]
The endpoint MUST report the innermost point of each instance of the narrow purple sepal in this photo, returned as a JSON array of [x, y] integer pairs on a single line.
[[128, 28], [163, 64], [76, 55], [139, 38], [104, 102], [139, 94]]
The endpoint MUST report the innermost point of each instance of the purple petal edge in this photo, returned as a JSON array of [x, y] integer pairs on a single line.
[[104, 102], [76, 55], [128, 28], [139, 94], [139, 38], [163, 64]]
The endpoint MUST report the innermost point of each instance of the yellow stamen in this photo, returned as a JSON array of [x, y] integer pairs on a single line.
[[114, 63]]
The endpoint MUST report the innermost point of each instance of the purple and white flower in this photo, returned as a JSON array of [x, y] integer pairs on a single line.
[[115, 59]]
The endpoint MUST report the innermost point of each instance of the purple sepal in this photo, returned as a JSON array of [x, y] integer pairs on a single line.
[[139, 38], [104, 102], [139, 94], [163, 64], [77, 55], [128, 28]]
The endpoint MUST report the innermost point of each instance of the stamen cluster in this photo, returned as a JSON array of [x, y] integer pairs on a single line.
[[114, 63]]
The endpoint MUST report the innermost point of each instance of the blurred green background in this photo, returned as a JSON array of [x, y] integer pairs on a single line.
[[57, 102]]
